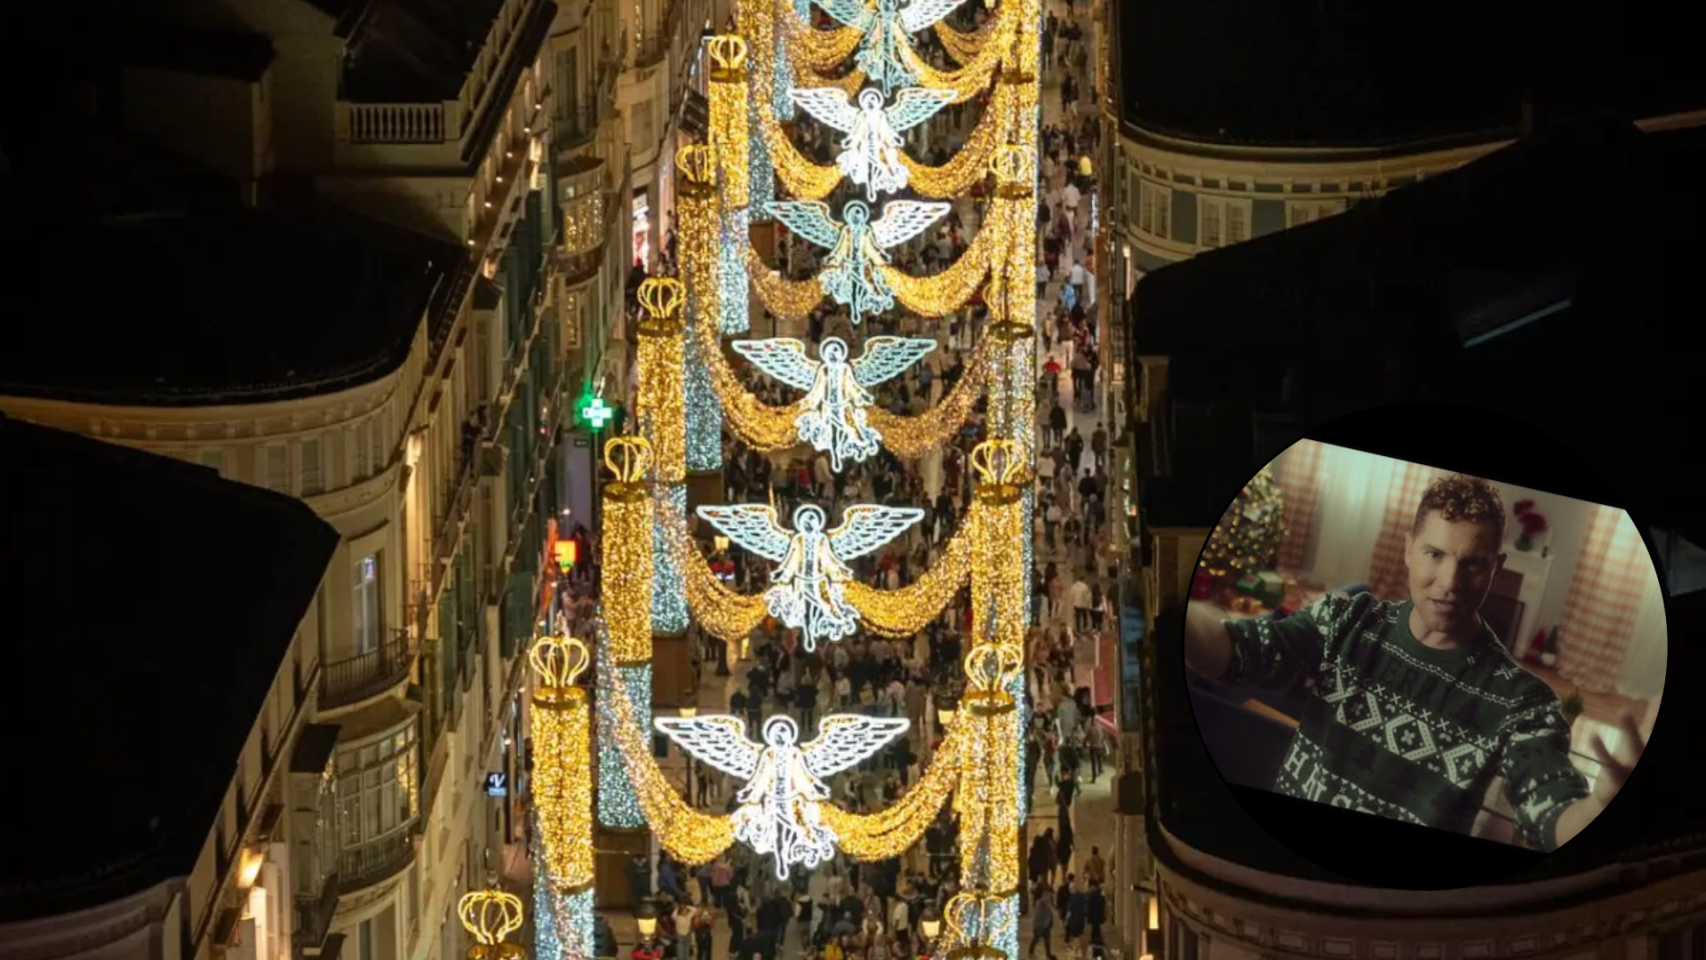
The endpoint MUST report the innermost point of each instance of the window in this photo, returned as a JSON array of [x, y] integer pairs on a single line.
[[364, 940], [1155, 208], [376, 788], [640, 127], [1299, 212], [313, 477], [364, 604], [1222, 220], [278, 467]]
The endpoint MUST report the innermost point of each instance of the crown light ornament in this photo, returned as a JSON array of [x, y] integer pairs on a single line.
[[490, 916], [832, 413], [850, 273], [778, 812], [1000, 470], [728, 56], [808, 588], [697, 162], [975, 920], [661, 299], [562, 778]]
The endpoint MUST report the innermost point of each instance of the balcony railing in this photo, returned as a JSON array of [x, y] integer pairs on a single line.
[[364, 675], [577, 127], [314, 917], [377, 860], [398, 123]]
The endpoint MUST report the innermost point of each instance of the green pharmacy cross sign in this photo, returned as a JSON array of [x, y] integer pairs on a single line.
[[593, 411]]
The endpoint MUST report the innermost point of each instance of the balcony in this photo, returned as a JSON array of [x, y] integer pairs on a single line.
[[401, 122], [651, 48], [376, 861], [365, 675]]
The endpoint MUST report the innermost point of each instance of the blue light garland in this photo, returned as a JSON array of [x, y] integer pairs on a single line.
[[704, 416], [760, 177], [734, 298], [669, 590], [618, 806]]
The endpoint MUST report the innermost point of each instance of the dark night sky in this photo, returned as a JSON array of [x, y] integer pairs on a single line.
[[1340, 71]]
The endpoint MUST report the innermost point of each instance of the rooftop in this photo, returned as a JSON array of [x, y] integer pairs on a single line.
[[153, 607], [1341, 73], [165, 289], [415, 51], [1382, 291]]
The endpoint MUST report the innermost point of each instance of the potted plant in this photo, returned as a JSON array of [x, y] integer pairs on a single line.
[[1572, 705], [1531, 522]]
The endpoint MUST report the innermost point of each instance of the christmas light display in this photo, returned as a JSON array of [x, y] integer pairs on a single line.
[[733, 284], [779, 810], [618, 801], [562, 745], [885, 27], [1248, 537], [832, 413], [870, 153], [850, 274], [808, 587]]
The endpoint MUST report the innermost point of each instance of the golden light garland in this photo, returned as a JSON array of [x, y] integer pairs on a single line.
[[962, 46], [661, 409], [757, 424], [690, 836], [943, 293], [909, 609], [628, 572], [913, 437], [891, 831], [987, 800], [802, 178], [971, 78], [728, 117], [724, 612], [820, 51], [562, 760], [787, 299]]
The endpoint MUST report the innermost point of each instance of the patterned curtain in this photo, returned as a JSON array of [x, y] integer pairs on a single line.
[[1297, 470], [1386, 574], [1611, 595]]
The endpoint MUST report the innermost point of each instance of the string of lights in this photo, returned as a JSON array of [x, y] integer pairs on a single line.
[[945, 292], [818, 50], [704, 416], [889, 832], [909, 609], [734, 290], [756, 423], [628, 570], [729, 114], [786, 299], [802, 178], [562, 744], [618, 799], [911, 437], [962, 46], [690, 836], [669, 589]]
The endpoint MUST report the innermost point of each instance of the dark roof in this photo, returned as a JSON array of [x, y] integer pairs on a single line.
[[234, 56], [1338, 72], [152, 607], [184, 295], [1364, 307], [415, 51]]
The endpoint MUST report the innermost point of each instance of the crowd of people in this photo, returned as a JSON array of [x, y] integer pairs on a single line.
[[735, 907]]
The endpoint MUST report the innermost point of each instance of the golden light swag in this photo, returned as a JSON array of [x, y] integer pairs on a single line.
[[787, 299], [889, 832], [562, 760]]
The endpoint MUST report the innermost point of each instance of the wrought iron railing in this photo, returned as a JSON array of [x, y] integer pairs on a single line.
[[376, 860], [364, 675], [650, 49]]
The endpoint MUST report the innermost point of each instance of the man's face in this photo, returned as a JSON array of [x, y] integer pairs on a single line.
[[1451, 565]]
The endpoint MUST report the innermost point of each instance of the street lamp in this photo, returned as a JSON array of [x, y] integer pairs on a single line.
[[647, 920], [945, 716], [930, 924]]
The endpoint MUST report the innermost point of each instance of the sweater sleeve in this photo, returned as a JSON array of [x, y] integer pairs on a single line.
[[1280, 653], [1540, 780]]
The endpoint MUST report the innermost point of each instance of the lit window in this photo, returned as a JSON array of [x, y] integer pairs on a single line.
[[364, 605], [1222, 221]]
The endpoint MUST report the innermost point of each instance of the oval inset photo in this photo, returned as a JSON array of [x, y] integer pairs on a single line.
[[1401, 656]]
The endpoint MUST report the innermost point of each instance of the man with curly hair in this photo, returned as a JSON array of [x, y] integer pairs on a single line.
[[1415, 707]]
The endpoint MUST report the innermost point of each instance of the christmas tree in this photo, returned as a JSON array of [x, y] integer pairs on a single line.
[[1249, 534]]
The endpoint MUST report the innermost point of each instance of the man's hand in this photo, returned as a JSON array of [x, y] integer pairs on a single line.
[[1614, 769]]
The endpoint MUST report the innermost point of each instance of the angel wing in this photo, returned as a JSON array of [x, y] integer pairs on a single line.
[[844, 739], [783, 358], [914, 105], [923, 13], [752, 525], [902, 220], [867, 526], [886, 356], [830, 106], [849, 12], [809, 219], [717, 739]]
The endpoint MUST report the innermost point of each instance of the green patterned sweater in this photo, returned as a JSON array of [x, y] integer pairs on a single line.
[[1405, 731]]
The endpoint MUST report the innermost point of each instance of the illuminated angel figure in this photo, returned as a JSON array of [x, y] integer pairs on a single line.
[[870, 153], [832, 413], [849, 275], [778, 812], [886, 26], [808, 587]]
